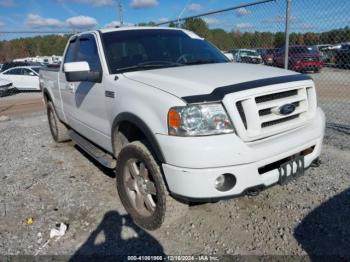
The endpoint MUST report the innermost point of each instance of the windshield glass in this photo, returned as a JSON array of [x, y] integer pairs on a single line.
[[346, 47], [249, 53], [299, 50], [132, 50]]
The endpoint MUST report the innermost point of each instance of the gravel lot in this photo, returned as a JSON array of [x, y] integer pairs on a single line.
[[58, 183], [333, 90]]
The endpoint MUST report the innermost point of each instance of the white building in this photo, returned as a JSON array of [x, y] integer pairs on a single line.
[[41, 59]]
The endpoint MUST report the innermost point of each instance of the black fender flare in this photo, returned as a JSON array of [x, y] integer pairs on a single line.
[[46, 93], [139, 123]]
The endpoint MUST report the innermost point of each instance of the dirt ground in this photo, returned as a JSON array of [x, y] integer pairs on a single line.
[[58, 183], [53, 183], [21, 103]]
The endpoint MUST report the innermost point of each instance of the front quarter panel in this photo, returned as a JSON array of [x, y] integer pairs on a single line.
[[149, 104]]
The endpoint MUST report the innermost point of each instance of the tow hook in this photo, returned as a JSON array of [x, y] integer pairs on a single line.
[[316, 163]]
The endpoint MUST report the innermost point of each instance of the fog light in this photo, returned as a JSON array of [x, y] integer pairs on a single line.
[[225, 182], [220, 181]]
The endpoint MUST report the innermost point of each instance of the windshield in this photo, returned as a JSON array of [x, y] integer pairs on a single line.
[[346, 47], [132, 50], [299, 50], [249, 53]]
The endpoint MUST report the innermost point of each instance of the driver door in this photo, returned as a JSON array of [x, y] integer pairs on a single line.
[[88, 114]]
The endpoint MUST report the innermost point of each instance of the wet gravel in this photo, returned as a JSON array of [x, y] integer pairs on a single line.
[[58, 183]]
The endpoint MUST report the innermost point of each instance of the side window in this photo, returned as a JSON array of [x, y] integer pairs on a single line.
[[16, 71], [27, 72], [87, 52], [70, 54], [8, 72]]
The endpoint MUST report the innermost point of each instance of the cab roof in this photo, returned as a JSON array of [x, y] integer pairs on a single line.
[[126, 28]]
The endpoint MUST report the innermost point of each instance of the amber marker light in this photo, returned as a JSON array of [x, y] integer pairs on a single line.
[[174, 119]]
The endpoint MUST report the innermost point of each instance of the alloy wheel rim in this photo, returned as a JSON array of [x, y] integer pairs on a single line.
[[140, 188]]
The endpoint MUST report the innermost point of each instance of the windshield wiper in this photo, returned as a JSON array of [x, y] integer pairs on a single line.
[[202, 61], [149, 65]]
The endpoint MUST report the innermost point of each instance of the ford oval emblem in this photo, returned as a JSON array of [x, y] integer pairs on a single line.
[[287, 109]]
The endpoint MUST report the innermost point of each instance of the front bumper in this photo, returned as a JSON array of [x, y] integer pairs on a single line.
[[196, 165], [307, 66], [6, 88]]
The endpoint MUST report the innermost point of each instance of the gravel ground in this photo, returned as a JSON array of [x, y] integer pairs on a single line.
[[58, 183]]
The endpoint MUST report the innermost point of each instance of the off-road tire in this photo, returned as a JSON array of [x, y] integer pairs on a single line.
[[58, 130], [167, 208]]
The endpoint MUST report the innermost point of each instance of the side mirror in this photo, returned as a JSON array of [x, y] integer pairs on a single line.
[[80, 72]]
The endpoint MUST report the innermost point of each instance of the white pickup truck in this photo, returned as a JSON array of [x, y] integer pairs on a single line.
[[177, 120]]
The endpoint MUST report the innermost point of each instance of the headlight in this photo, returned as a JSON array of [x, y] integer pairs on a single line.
[[199, 120]]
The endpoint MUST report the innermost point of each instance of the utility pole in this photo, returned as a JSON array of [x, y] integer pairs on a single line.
[[120, 12], [286, 48], [183, 10]]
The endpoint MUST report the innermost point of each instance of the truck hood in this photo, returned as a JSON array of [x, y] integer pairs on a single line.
[[203, 79]]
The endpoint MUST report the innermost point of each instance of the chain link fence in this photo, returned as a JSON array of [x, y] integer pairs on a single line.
[[319, 43]]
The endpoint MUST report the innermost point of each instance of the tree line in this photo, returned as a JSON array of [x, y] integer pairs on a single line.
[[236, 39], [55, 44], [32, 46]]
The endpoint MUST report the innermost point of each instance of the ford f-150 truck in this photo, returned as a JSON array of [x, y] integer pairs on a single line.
[[177, 120]]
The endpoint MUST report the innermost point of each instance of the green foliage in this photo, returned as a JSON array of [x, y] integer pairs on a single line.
[[32, 46], [221, 39], [147, 24], [172, 24], [199, 26]]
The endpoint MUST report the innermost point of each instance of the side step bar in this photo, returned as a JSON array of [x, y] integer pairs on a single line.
[[99, 155]]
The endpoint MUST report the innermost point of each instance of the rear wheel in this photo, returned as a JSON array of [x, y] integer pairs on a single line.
[[58, 130], [142, 190]]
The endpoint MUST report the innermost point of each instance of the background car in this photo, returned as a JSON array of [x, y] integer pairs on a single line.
[[5, 86], [23, 77], [9, 65], [301, 59], [228, 55], [267, 55], [324, 51], [233, 52], [342, 56], [248, 56]]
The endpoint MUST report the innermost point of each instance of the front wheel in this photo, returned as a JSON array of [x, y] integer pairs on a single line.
[[142, 190]]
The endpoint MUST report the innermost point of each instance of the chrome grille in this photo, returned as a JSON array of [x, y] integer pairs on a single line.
[[279, 121], [260, 117], [241, 113], [275, 96]]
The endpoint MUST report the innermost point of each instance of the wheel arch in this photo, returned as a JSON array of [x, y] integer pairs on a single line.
[[137, 122], [46, 95]]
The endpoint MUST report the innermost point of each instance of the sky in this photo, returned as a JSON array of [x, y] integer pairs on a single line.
[[79, 15]]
